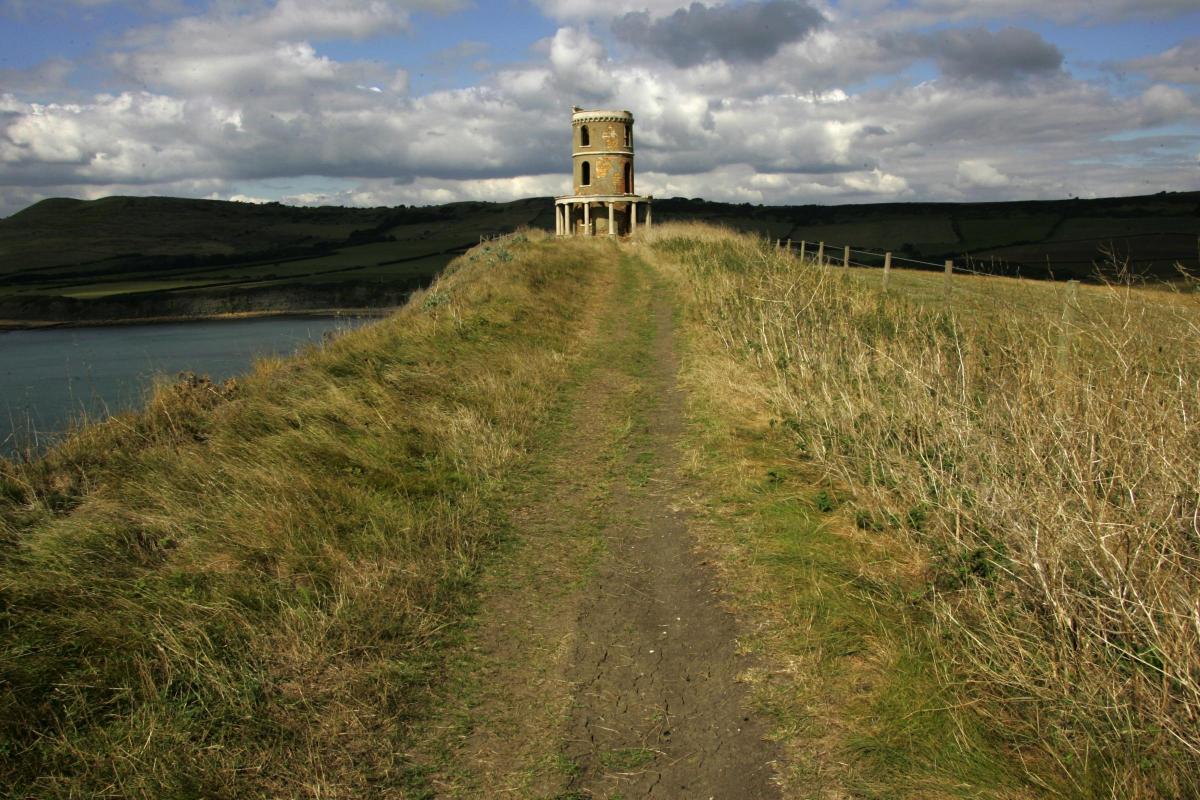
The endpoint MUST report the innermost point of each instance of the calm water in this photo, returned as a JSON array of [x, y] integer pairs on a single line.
[[50, 377]]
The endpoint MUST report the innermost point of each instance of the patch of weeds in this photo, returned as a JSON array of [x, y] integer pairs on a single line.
[[641, 469], [626, 759], [435, 300], [917, 517], [865, 520], [825, 501], [954, 569]]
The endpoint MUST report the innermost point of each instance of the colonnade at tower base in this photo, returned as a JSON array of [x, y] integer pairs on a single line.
[[599, 215]]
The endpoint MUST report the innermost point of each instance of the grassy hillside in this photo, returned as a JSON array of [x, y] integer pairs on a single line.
[[1037, 239], [241, 590], [126, 257], [959, 533], [1008, 493], [152, 257]]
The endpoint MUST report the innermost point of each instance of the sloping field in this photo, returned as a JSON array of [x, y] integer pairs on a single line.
[[1075, 238], [677, 517], [132, 257]]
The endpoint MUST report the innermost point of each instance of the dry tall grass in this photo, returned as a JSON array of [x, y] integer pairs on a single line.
[[240, 591], [1046, 459]]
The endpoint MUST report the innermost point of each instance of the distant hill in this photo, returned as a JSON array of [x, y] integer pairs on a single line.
[[1037, 239], [150, 256], [154, 256]]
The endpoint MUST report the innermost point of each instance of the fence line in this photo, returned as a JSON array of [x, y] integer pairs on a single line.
[[805, 248], [496, 237], [888, 261]]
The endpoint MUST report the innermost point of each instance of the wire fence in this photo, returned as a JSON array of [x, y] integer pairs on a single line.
[[496, 237], [1038, 296]]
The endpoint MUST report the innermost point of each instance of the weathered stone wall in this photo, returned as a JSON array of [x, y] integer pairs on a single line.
[[608, 174], [609, 150]]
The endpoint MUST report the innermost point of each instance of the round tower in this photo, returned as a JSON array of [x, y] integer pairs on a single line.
[[603, 198], [602, 152]]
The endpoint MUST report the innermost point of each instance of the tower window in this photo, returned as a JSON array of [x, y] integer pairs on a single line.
[[587, 174], [585, 140], [629, 136], [628, 179]]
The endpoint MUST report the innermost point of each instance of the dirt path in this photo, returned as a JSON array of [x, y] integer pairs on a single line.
[[603, 664]]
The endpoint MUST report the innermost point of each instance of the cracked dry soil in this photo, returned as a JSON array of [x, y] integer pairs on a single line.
[[620, 670]]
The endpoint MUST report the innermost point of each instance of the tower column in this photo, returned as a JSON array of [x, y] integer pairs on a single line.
[[587, 219], [612, 223], [632, 218], [557, 220], [569, 231]]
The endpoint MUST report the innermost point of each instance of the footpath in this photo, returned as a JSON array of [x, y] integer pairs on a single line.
[[602, 662]]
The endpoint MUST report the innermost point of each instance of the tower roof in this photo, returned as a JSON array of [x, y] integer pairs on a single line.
[[599, 115]]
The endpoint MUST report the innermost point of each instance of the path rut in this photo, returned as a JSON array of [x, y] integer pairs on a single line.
[[658, 709], [631, 675]]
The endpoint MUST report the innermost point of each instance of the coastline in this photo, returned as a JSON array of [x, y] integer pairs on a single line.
[[7, 325]]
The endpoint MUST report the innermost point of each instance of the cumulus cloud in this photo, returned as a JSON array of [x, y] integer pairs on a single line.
[[241, 98], [579, 10], [978, 54], [47, 77], [751, 31], [1179, 64], [1006, 55], [934, 12], [974, 172]]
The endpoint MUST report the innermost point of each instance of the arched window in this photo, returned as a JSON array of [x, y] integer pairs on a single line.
[[629, 179], [585, 140], [629, 136], [587, 174]]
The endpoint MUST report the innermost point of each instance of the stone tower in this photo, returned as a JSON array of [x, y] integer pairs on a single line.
[[603, 199]]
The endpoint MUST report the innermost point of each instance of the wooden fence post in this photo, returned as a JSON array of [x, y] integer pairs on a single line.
[[802, 244], [788, 246], [887, 270], [946, 280], [821, 254], [846, 257]]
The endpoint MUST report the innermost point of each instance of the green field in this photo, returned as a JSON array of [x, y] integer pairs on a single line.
[[133, 253], [1037, 239], [126, 257]]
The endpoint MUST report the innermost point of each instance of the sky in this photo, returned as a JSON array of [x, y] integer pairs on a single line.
[[387, 102]]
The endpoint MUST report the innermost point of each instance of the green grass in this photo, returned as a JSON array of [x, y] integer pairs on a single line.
[[626, 759], [247, 589]]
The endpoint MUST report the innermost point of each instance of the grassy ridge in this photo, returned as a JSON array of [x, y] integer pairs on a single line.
[[1039, 471], [241, 591]]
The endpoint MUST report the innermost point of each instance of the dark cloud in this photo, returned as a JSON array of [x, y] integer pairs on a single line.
[[1006, 55], [749, 32]]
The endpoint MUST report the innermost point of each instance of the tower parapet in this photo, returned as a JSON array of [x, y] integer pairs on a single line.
[[603, 177]]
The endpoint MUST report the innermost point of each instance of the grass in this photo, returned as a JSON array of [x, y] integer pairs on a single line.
[[247, 589], [964, 529], [1035, 470], [122, 258]]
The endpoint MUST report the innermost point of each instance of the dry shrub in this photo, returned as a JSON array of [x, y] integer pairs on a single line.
[[1044, 452]]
